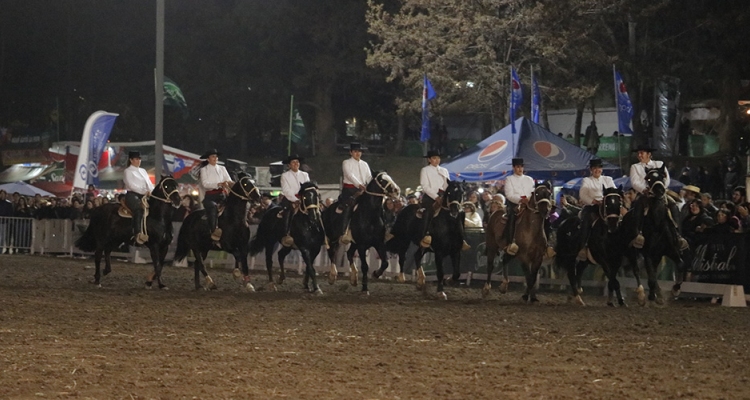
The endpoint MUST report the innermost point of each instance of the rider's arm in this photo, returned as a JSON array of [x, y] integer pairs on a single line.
[[587, 194], [424, 181], [206, 182], [637, 178], [287, 188], [347, 168]]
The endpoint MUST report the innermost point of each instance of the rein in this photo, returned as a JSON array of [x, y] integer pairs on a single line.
[[603, 207], [246, 197], [166, 195], [306, 206], [383, 188]]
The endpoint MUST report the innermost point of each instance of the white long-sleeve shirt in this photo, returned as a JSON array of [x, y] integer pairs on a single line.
[[433, 179], [291, 182], [356, 172], [137, 180], [591, 189], [212, 176], [638, 175], [517, 186]]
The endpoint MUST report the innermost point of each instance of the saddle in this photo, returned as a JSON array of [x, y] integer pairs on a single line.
[[436, 207]]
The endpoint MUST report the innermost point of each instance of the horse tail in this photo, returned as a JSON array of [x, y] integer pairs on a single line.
[[88, 241], [182, 241], [257, 243]]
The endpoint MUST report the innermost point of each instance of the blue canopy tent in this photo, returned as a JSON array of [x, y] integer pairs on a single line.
[[624, 181], [546, 156]]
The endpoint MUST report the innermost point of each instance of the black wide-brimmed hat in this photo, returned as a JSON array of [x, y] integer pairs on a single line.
[[294, 157], [210, 153], [134, 154], [644, 147], [433, 153], [595, 162], [517, 161], [356, 146]]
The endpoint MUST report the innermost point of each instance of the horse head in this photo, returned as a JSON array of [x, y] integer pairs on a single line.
[[383, 185], [454, 197], [542, 198], [611, 206], [245, 189], [655, 178], [309, 200], [167, 191]]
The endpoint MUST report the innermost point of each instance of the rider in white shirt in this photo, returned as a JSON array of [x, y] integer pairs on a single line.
[[518, 189], [291, 181], [357, 175], [591, 196], [638, 181], [138, 184], [434, 181], [214, 181]]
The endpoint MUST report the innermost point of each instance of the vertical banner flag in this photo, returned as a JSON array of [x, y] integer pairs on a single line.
[[516, 97], [428, 93], [298, 128], [95, 135], [536, 99], [624, 106]]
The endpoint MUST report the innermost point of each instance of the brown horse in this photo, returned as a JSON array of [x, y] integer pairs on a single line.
[[530, 238]]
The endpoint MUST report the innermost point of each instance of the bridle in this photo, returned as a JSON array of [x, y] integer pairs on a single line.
[[246, 197], [384, 188], [304, 206], [448, 203], [539, 199], [603, 207], [164, 191]]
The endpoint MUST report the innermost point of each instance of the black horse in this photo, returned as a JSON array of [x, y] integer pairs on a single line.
[[195, 235], [659, 239], [604, 247], [306, 229], [367, 226], [107, 230], [447, 235]]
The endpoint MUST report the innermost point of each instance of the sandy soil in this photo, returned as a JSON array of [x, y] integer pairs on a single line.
[[62, 337]]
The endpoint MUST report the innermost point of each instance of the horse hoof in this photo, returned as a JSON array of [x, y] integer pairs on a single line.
[[504, 288], [442, 296], [333, 274], [376, 274], [148, 286], [279, 281], [486, 291], [236, 273], [578, 300], [249, 287], [106, 271], [366, 293], [318, 292], [580, 290], [659, 301], [163, 287], [401, 278], [676, 290], [611, 304], [353, 278], [270, 287]]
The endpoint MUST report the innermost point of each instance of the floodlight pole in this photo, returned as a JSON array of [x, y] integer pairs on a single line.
[[159, 91]]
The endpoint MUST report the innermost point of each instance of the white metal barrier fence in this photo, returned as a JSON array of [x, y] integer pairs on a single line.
[[16, 234]]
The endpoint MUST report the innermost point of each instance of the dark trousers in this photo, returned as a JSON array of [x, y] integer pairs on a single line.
[[510, 227], [133, 201], [288, 212], [587, 217], [428, 203], [346, 201], [210, 202]]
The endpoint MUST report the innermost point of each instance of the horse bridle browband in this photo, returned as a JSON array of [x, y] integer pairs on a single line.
[[246, 197], [540, 201], [603, 207]]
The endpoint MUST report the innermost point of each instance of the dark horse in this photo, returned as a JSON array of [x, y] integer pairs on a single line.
[[604, 247], [195, 235], [530, 238], [107, 230], [367, 226], [447, 235], [651, 213], [306, 229]]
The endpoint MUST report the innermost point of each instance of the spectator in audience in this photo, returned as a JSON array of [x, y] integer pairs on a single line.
[[87, 209], [688, 194], [696, 221], [731, 179], [724, 223], [708, 205], [471, 217], [743, 214], [738, 195], [389, 213]]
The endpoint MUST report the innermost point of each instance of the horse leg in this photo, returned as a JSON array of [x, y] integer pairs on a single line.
[[155, 257], [440, 276], [200, 268], [401, 262], [531, 276], [654, 292], [383, 254], [269, 262], [240, 255], [421, 278], [283, 252], [97, 266], [573, 278], [308, 259], [333, 273], [365, 268], [492, 250], [505, 282], [353, 273]]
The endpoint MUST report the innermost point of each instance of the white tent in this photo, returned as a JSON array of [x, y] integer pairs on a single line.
[[24, 189]]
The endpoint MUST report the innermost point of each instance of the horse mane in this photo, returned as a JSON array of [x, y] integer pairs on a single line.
[[307, 185]]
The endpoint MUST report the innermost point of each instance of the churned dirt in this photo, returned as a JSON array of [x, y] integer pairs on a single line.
[[62, 337]]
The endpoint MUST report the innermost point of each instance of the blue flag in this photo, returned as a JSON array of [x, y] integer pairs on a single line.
[[516, 97], [428, 93], [95, 135], [536, 99], [624, 106]]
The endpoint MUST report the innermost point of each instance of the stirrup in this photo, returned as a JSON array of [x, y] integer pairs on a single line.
[[426, 241], [141, 238], [216, 234], [465, 246], [683, 244], [287, 241], [550, 252], [388, 236], [638, 241], [512, 249], [346, 238], [583, 254]]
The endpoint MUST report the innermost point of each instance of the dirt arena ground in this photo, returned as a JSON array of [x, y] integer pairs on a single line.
[[62, 337]]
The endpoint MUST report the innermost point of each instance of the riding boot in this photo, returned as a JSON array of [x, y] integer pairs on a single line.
[[212, 217], [346, 236], [510, 229], [137, 220], [426, 218], [585, 233], [287, 240]]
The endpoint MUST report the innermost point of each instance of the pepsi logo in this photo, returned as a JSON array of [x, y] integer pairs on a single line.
[[492, 151], [622, 88], [516, 85], [549, 151]]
